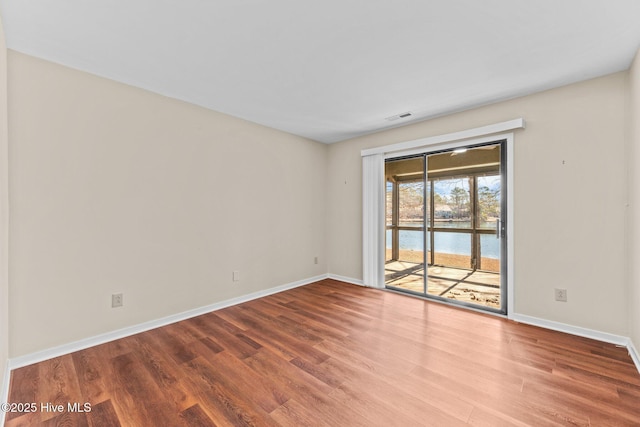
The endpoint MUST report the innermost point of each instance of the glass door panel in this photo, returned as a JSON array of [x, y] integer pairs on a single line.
[[389, 220], [445, 220], [489, 189], [465, 267], [405, 219], [489, 253], [489, 213]]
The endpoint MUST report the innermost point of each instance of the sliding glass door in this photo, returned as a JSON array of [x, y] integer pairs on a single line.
[[445, 225], [405, 223]]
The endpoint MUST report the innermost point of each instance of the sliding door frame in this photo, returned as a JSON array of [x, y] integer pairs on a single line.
[[508, 228], [373, 270]]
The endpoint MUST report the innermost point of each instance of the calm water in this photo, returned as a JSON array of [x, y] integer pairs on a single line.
[[450, 243]]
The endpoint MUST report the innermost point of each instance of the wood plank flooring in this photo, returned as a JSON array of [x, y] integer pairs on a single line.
[[333, 354]]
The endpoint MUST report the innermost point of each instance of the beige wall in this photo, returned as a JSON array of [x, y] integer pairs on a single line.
[[633, 253], [115, 189], [569, 229], [4, 278]]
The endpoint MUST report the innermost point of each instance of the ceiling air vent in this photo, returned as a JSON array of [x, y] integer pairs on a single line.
[[398, 116]]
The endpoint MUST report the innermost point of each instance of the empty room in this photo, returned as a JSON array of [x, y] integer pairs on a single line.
[[250, 213]]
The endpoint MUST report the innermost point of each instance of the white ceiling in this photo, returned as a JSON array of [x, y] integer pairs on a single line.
[[331, 69]]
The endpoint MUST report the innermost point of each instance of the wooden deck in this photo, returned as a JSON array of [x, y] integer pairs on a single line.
[[333, 354], [476, 287]]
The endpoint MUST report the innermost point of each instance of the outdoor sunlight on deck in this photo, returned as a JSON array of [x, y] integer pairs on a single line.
[[464, 285]]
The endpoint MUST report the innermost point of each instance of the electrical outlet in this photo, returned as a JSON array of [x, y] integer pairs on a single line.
[[236, 276], [315, 260], [561, 295], [116, 300]]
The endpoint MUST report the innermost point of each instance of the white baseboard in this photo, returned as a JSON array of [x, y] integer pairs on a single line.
[[345, 279], [582, 332], [633, 352], [50, 353], [4, 392], [573, 330]]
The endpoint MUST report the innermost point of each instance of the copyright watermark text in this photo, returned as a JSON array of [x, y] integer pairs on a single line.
[[25, 407]]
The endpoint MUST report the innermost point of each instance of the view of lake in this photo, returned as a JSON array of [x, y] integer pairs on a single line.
[[450, 243]]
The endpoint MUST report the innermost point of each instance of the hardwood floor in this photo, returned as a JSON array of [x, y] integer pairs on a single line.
[[333, 354]]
